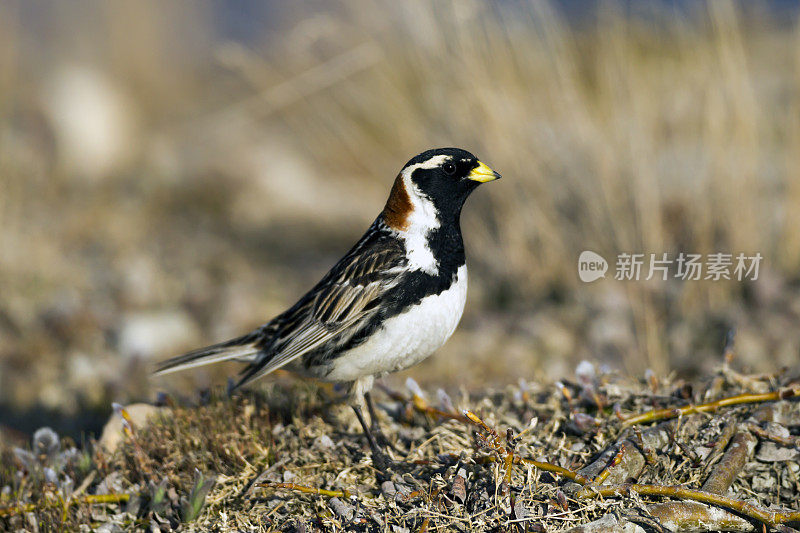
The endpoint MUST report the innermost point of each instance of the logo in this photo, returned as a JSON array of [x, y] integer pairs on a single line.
[[591, 266], [716, 266]]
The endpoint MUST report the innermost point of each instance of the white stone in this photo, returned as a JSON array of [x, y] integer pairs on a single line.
[[156, 333]]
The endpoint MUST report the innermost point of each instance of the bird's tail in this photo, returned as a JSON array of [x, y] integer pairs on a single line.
[[239, 349]]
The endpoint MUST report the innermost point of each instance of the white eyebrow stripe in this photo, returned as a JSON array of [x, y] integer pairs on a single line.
[[432, 162]]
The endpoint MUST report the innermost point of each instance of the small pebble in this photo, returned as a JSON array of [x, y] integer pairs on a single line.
[[388, 490], [323, 442], [343, 510]]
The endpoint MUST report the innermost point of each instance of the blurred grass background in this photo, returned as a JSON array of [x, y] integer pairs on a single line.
[[172, 174]]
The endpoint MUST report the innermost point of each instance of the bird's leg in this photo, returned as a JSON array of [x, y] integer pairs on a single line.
[[373, 416], [374, 426], [379, 459]]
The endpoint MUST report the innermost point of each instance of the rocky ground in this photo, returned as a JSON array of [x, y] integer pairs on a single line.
[[154, 202], [565, 456]]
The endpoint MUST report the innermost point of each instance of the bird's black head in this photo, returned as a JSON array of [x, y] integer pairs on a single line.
[[438, 181]]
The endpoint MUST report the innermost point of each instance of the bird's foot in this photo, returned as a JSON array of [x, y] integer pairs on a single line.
[[385, 465], [380, 460]]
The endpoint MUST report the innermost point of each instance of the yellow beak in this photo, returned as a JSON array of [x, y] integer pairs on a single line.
[[482, 174]]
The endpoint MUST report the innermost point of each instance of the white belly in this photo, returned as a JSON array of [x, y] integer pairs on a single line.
[[408, 338]]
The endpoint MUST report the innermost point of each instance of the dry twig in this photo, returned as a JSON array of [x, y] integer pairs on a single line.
[[674, 412], [683, 515], [309, 490], [732, 462], [89, 499], [775, 519], [615, 461]]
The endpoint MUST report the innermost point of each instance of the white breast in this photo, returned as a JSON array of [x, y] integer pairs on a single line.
[[408, 338]]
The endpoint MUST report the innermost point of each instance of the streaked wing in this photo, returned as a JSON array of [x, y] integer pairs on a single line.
[[333, 310]]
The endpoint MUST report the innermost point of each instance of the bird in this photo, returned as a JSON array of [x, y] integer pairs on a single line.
[[389, 303]]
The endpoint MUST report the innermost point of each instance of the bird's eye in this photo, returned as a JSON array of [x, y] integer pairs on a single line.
[[449, 169]]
